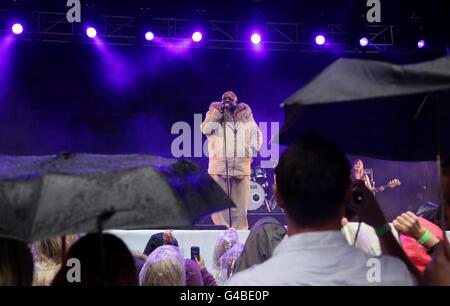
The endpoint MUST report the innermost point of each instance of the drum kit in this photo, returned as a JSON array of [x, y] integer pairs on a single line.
[[261, 192]]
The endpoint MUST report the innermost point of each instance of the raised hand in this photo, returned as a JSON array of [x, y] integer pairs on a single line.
[[408, 224]]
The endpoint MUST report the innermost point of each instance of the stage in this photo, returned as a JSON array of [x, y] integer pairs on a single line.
[[252, 216]]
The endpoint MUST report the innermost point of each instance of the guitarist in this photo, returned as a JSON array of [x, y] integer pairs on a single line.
[[358, 174]]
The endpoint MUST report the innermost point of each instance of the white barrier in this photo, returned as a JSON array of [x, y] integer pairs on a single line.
[[136, 240]]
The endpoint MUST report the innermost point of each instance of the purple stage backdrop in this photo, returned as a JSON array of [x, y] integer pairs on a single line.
[[102, 99]]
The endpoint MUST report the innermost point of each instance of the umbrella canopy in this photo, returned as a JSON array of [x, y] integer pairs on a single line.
[[372, 108], [46, 196]]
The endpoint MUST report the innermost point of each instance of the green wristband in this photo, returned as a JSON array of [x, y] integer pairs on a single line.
[[425, 237], [382, 230]]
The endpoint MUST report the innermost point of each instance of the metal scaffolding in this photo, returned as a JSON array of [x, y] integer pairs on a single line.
[[219, 34]]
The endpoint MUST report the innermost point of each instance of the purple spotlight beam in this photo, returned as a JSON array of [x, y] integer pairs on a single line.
[[320, 40], [255, 38], [91, 32], [17, 28], [197, 36]]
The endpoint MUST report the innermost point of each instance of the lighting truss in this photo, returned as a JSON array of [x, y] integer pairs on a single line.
[[221, 34]]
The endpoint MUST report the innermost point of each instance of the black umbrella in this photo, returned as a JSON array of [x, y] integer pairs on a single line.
[[46, 196], [371, 108]]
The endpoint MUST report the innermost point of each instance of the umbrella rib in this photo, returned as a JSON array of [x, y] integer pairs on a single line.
[[419, 110], [114, 212], [36, 208]]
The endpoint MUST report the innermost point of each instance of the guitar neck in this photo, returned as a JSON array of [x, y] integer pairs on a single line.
[[378, 189]]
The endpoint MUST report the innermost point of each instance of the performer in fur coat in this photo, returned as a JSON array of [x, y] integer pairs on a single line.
[[230, 126]]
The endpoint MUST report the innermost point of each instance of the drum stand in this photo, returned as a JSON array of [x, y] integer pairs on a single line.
[[269, 209]]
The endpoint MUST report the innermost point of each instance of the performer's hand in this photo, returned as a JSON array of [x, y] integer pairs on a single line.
[[216, 106], [251, 151]]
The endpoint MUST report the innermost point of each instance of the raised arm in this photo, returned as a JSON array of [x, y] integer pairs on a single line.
[[370, 212], [212, 119], [408, 224]]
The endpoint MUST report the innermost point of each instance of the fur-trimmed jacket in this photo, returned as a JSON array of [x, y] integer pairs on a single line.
[[243, 139]]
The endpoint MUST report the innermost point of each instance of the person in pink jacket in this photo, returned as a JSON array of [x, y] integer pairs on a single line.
[[234, 139]]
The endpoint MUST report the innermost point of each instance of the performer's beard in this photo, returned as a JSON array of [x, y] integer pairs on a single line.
[[232, 108], [228, 115]]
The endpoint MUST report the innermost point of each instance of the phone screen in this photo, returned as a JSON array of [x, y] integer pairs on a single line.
[[195, 252]]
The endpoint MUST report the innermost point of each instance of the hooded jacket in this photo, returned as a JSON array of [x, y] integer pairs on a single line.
[[243, 139], [264, 237]]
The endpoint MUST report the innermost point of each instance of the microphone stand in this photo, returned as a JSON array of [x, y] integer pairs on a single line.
[[226, 165]]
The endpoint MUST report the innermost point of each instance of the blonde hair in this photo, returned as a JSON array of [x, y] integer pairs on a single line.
[[50, 250], [48, 257], [164, 267], [361, 171], [45, 274]]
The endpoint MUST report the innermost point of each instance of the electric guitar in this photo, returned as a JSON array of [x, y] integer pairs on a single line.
[[392, 184]]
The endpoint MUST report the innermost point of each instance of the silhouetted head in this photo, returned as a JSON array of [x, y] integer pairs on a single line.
[[16, 263], [114, 266], [312, 181]]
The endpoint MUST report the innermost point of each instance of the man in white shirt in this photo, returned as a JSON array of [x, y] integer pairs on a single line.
[[313, 186], [366, 238]]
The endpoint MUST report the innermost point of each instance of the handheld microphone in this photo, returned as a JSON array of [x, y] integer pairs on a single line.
[[226, 106], [222, 108]]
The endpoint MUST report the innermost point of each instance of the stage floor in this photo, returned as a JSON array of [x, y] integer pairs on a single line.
[[253, 217]]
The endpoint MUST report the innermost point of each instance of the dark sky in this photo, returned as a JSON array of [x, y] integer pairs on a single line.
[[292, 10]]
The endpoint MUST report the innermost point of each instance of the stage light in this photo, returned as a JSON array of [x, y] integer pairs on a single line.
[[421, 44], [149, 36], [17, 28], [320, 40], [363, 42], [197, 36], [255, 38], [91, 32]]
